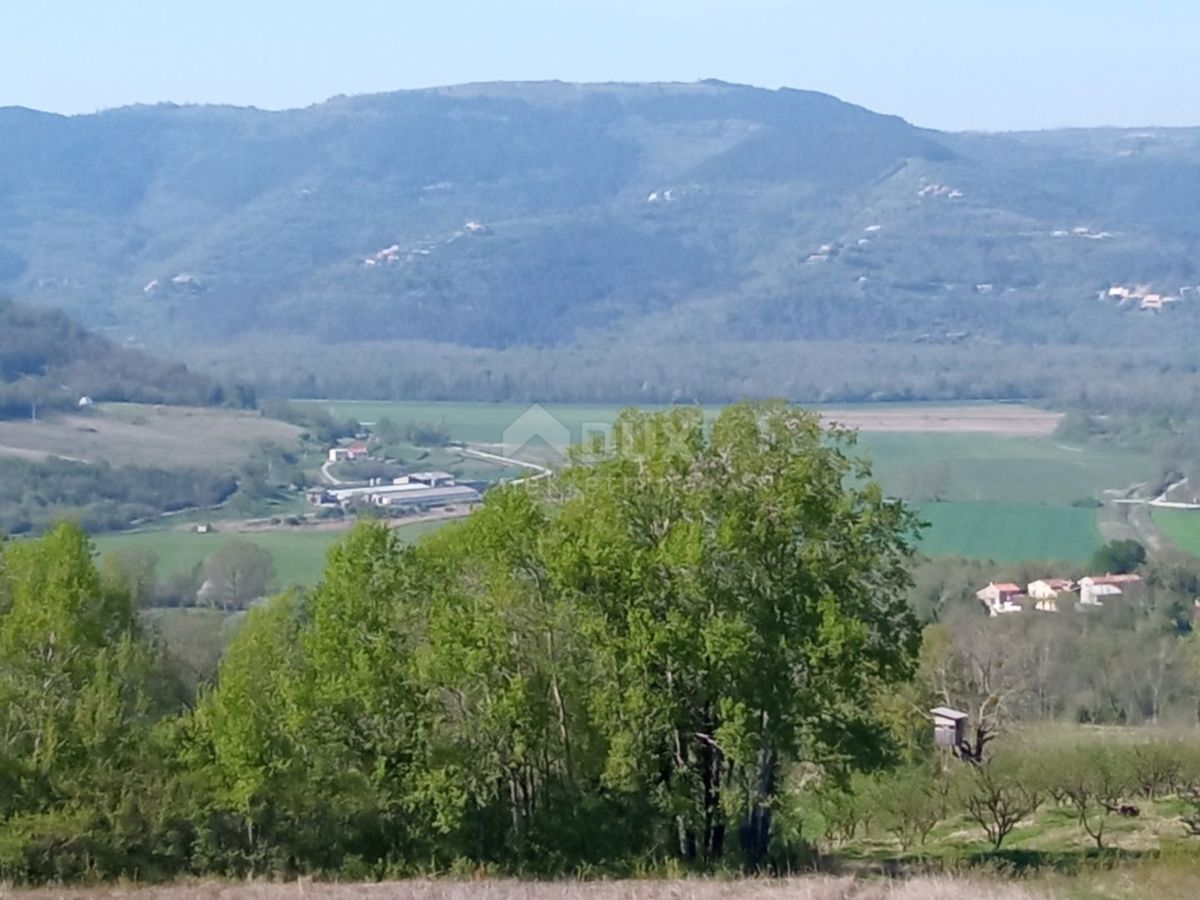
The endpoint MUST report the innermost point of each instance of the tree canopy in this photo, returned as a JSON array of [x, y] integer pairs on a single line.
[[627, 661]]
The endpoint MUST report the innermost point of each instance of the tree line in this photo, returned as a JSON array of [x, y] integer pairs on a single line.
[[1131, 384], [100, 496]]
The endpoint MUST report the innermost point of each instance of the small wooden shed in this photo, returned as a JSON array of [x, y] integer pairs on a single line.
[[949, 726]]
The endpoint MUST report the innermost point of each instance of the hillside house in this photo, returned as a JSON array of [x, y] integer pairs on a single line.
[[1094, 588], [1001, 598], [1045, 592]]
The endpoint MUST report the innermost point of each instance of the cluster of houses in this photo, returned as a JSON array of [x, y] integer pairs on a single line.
[[397, 254], [1142, 296], [940, 190], [1044, 595]]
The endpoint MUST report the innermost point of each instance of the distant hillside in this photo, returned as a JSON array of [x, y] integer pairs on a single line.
[[550, 215], [49, 362]]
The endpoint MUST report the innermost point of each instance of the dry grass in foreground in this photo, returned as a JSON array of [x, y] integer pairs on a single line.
[[813, 888]]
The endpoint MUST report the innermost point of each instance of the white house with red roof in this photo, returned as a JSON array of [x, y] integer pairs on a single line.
[[1000, 597], [1093, 588]]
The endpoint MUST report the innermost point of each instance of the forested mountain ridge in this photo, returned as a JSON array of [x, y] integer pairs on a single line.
[[545, 214], [48, 362]]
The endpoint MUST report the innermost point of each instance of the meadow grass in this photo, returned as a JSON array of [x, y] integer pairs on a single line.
[[160, 436]]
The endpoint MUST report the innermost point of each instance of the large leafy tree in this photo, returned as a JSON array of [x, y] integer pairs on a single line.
[[742, 589]]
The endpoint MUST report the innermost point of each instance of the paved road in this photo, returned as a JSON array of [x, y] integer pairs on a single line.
[[328, 475], [1128, 515], [540, 471]]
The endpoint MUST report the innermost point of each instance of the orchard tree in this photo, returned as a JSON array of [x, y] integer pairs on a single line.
[[998, 794], [1099, 777], [910, 804]]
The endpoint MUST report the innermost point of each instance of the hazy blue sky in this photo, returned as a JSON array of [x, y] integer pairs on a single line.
[[995, 64]]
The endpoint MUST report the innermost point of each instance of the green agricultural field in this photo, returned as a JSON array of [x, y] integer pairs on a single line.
[[477, 423], [917, 465], [1010, 495], [1009, 532], [299, 554], [1182, 526], [983, 467]]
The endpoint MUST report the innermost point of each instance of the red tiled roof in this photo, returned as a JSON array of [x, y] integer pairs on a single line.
[[1116, 579]]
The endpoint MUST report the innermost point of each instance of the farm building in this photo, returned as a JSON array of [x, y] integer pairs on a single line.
[[429, 479], [407, 494], [1000, 598]]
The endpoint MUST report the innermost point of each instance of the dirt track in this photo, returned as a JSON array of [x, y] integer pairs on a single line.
[[1001, 419]]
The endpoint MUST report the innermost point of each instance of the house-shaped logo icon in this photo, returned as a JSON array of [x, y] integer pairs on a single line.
[[537, 428]]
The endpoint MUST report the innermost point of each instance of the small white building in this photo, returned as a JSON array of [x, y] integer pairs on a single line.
[[949, 726], [348, 454]]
